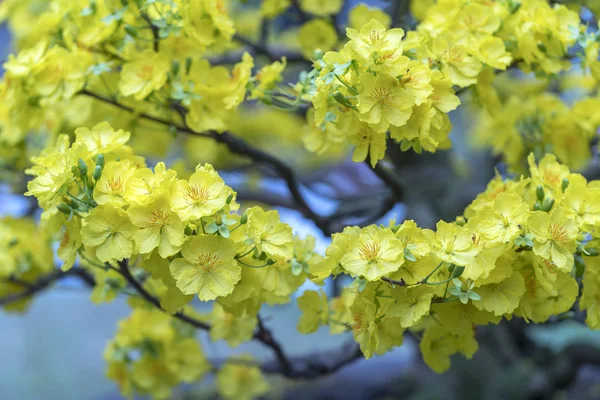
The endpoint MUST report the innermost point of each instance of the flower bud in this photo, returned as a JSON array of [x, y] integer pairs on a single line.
[[100, 160], [548, 204], [565, 184], [539, 193], [244, 219], [64, 208], [82, 167], [97, 173]]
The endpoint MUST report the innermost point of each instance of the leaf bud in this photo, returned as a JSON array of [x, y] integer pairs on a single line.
[[82, 167], [97, 173], [539, 193]]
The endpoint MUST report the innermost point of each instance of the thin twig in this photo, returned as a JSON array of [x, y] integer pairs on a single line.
[[238, 146], [44, 283]]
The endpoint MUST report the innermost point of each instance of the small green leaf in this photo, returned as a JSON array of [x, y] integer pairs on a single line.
[[224, 231], [297, 268], [211, 228], [409, 256]]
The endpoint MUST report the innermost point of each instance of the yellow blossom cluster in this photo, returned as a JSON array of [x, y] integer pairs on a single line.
[[516, 251], [22, 260], [382, 83], [127, 78]]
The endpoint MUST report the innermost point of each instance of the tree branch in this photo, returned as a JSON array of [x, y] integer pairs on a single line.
[[124, 270], [238, 146], [155, 32], [44, 283], [389, 178]]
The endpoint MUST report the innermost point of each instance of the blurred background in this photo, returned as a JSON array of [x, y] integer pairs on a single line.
[[54, 351]]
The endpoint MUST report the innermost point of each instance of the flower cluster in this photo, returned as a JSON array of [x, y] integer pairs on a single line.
[[22, 260], [183, 234], [381, 83], [516, 251], [540, 123]]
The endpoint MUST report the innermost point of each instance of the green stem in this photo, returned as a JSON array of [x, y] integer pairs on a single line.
[[446, 289], [252, 266], [246, 253], [345, 84], [432, 272], [441, 282]]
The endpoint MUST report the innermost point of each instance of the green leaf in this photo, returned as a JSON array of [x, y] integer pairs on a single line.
[[297, 268], [116, 16], [224, 231], [409, 256], [211, 228]]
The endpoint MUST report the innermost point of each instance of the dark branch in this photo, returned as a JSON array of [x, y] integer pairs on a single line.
[[389, 178], [265, 336], [394, 282], [43, 283], [237, 145], [155, 32], [320, 365], [124, 270], [563, 369]]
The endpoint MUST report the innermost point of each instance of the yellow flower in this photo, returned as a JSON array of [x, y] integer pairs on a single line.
[[70, 243], [321, 7], [273, 8], [268, 234], [438, 344], [145, 75], [202, 195], [548, 173], [316, 34], [186, 360], [384, 102], [110, 188], [457, 65], [25, 62], [234, 329], [158, 227], [109, 232], [315, 310], [239, 381], [369, 143], [268, 77], [505, 220], [361, 14], [61, 74], [373, 254], [208, 267], [581, 203], [50, 178], [101, 139], [502, 297], [411, 304], [146, 184], [207, 21], [453, 244], [417, 81], [555, 237], [374, 43]]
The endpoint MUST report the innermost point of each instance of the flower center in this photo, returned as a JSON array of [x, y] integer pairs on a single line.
[[558, 233], [158, 218], [382, 95], [116, 185], [196, 194], [370, 251], [374, 37], [207, 261], [146, 72]]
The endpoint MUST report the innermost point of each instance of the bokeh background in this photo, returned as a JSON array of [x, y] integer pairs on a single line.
[[54, 351]]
